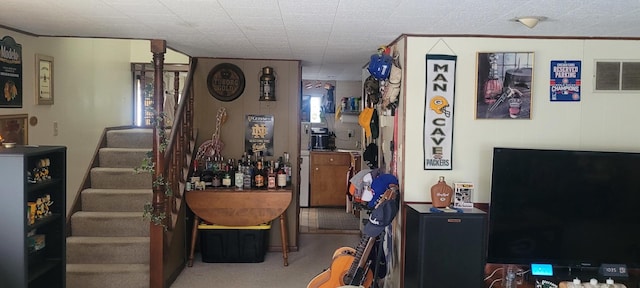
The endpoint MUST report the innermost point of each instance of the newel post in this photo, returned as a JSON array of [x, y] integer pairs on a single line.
[[156, 233]]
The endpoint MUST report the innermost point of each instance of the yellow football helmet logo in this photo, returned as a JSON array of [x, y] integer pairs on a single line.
[[440, 104]]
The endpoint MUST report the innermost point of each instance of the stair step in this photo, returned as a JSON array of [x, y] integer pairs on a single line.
[[107, 250], [130, 138], [126, 178], [122, 157], [110, 224], [114, 200], [107, 275]]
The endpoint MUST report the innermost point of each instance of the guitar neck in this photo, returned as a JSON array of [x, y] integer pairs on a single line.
[[363, 249]]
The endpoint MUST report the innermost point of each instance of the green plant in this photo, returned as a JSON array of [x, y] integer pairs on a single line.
[[148, 165]]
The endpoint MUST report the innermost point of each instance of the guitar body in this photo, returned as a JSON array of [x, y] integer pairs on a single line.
[[342, 251], [350, 262], [334, 276]]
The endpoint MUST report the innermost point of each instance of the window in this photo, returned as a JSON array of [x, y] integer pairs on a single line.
[[617, 76], [315, 105], [174, 77]]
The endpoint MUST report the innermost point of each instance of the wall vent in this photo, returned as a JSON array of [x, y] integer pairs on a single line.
[[617, 75]]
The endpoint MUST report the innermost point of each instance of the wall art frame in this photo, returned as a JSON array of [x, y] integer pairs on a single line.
[[504, 85], [44, 79], [14, 129], [226, 82]]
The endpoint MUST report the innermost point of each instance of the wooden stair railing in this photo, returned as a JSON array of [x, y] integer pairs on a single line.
[[167, 253]]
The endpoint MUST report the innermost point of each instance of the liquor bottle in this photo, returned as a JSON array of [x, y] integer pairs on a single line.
[[216, 181], [271, 177], [281, 178], [259, 176], [195, 176], [247, 181], [239, 177], [230, 166], [226, 179], [287, 167]]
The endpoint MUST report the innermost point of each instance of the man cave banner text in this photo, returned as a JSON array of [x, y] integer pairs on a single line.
[[438, 112]]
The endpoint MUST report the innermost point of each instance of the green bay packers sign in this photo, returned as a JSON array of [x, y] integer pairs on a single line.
[[258, 135], [438, 112]]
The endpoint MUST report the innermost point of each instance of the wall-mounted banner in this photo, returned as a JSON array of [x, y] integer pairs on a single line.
[[258, 135], [10, 73], [438, 112], [565, 80]]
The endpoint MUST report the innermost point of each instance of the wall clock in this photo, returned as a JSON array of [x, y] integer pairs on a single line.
[[225, 82]]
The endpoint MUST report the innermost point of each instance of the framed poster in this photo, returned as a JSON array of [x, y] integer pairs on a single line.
[[258, 135], [565, 81], [44, 82], [503, 88], [10, 73], [14, 129]]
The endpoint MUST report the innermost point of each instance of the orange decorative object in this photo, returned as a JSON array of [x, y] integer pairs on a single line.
[[441, 194]]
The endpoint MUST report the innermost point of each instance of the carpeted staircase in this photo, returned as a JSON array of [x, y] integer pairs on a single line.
[[109, 242]]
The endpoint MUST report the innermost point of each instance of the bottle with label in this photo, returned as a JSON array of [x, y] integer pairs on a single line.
[[226, 179], [259, 176], [281, 177], [195, 177], [271, 177], [287, 167], [247, 181], [239, 177], [216, 180]]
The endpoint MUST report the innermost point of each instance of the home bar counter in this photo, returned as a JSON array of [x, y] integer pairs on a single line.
[[239, 207]]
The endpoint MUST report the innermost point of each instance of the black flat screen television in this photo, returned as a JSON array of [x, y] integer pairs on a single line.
[[565, 208]]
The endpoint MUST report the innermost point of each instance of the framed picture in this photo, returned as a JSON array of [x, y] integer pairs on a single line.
[[11, 73], [44, 82], [504, 82], [13, 129]]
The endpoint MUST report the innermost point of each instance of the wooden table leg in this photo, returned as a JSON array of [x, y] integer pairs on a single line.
[[284, 235], [194, 234]]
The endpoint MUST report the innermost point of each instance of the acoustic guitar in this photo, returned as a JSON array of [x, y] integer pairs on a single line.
[[358, 273]]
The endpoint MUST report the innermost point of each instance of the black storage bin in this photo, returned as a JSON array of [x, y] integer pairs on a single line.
[[224, 244]]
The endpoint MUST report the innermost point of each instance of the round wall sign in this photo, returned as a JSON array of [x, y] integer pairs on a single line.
[[225, 82]]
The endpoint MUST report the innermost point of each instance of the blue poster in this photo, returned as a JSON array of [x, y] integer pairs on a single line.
[[565, 81]]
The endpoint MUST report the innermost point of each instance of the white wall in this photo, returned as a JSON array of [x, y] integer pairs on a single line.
[[600, 121], [92, 91]]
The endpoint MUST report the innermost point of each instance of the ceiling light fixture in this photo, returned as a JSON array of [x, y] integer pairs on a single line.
[[530, 21]]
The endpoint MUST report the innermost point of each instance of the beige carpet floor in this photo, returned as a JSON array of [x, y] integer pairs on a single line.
[[313, 257], [336, 219], [328, 220]]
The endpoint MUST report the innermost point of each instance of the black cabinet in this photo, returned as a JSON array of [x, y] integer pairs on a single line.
[[444, 250], [33, 243]]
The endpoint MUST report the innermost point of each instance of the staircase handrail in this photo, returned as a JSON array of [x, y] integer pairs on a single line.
[[172, 168]]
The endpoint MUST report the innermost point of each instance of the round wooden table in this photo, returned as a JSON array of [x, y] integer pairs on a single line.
[[235, 207]]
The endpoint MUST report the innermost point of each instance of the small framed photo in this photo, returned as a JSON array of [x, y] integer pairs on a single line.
[[463, 193], [13, 129], [44, 80]]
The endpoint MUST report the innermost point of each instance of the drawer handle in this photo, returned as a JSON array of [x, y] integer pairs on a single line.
[[331, 159]]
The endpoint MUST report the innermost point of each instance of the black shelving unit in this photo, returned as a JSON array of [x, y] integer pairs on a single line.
[[21, 265]]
